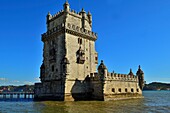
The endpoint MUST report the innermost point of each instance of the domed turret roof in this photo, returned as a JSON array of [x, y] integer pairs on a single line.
[[139, 71], [66, 3], [131, 73], [102, 66]]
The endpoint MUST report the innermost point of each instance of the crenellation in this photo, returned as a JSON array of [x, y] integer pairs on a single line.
[[94, 77], [121, 77], [69, 63], [81, 30]]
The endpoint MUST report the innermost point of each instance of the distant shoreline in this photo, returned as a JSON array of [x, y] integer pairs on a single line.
[[157, 86]]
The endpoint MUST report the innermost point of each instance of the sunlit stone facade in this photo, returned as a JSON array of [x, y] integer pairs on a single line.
[[68, 71]]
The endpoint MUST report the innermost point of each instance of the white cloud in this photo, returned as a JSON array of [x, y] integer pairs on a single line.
[[37, 79], [3, 79], [28, 83], [15, 81]]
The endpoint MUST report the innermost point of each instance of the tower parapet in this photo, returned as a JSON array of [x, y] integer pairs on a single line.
[[68, 71], [72, 29], [68, 15], [66, 6], [121, 77], [140, 75]]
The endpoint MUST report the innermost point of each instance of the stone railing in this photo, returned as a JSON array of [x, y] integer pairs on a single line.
[[81, 30], [71, 12], [121, 77], [71, 29], [94, 76], [58, 14], [115, 77], [55, 29]]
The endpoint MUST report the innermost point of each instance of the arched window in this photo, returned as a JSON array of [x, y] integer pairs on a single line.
[[126, 90], [137, 90], [132, 90], [119, 90], [52, 68], [79, 41], [113, 89]]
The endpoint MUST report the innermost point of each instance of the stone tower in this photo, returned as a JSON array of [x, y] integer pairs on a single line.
[[140, 75], [68, 71], [68, 55]]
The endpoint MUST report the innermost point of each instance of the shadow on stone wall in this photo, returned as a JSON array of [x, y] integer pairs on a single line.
[[85, 89], [53, 91]]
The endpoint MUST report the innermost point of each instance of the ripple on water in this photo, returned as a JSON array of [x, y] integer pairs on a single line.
[[154, 101]]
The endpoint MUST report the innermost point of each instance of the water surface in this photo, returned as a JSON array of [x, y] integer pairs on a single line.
[[154, 101]]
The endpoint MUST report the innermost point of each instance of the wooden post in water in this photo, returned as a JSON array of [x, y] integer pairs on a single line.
[[28, 96], [11, 96], [18, 96], [4, 96], [25, 95]]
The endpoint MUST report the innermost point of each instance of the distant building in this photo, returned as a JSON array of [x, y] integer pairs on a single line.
[[68, 71]]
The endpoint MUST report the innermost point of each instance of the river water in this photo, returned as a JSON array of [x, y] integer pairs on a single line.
[[153, 101]]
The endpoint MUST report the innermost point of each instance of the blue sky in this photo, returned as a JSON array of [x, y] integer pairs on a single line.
[[130, 32]]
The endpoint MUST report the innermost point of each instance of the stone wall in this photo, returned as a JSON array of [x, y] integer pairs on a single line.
[[68, 71], [117, 86], [52, 62]]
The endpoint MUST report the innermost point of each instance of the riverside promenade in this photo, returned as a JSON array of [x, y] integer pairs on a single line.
[[16, 95]]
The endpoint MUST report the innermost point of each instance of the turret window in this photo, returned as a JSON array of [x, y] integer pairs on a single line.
[[96, 58], [137, 90], [79, 41], [119, 90], [52, 68], [126, 90], [113, 89], [132, 90]]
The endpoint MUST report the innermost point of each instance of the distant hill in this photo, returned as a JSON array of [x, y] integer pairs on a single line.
[[157, 86], [11, 88]]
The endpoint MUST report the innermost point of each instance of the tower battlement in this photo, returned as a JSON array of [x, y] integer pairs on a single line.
[[71, 12], [67, 15], [72, 29], [68, 71], [122, 77], [115, 77]]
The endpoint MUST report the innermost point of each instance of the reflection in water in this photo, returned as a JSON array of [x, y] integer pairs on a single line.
[[135, 105], [154, 101]]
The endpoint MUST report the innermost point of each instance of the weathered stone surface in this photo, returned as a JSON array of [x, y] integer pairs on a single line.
[[68, 71]]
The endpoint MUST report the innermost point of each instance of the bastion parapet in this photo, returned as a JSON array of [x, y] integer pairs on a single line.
[[68, 71], [72, 29]]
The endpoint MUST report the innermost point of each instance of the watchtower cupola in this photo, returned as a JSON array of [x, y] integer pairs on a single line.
[[89, 18], [131, 73], [66, 6], [139, 71], [102, 69], [140, 75], [83, 13], [49, 16]]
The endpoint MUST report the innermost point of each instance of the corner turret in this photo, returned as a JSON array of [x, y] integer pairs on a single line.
[[66, 6], [49, 16], [102, 70], [140, 75], [131, 73], [83, 13], [90, 18]]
